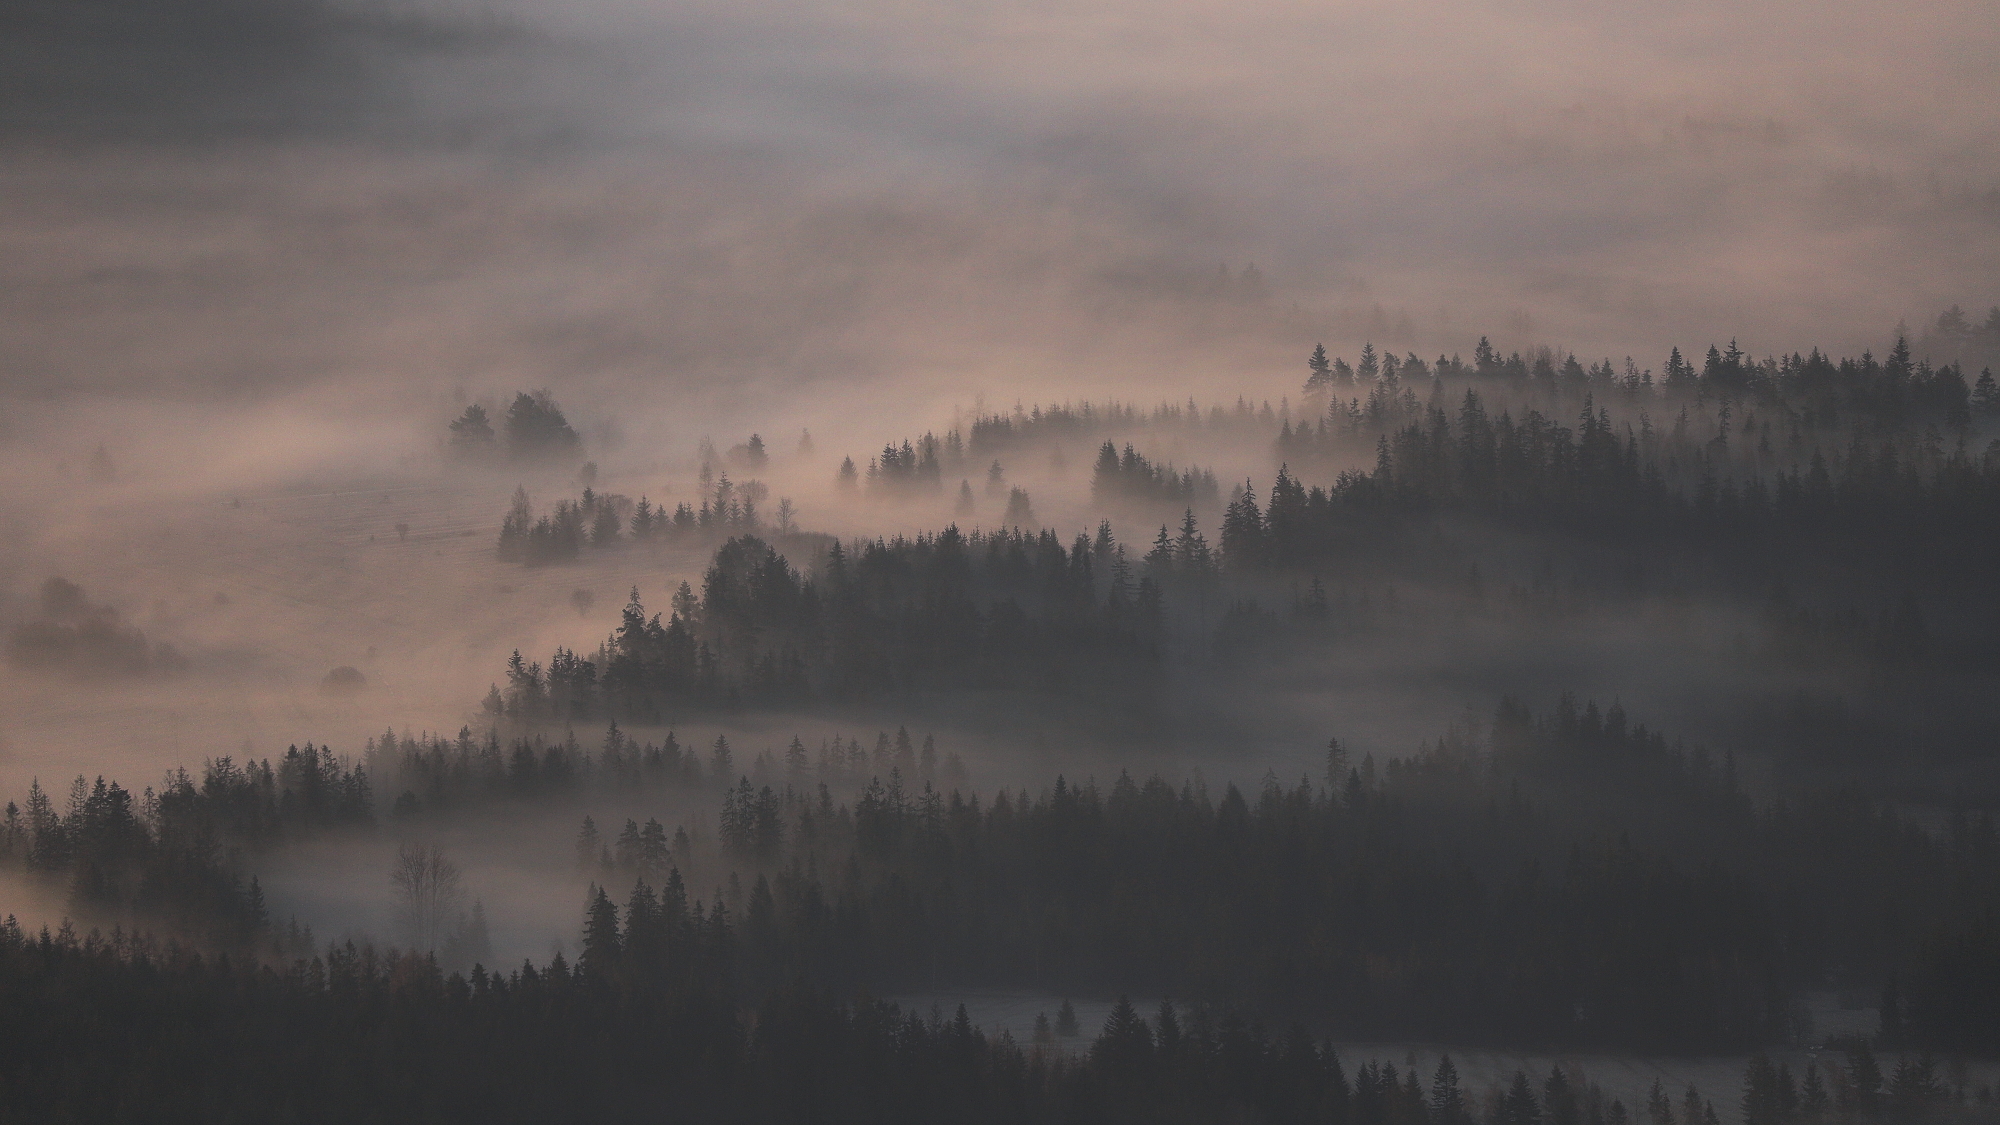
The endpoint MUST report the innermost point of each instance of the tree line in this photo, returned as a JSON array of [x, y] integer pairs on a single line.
[[176, 857], [1564, 880], [430, 773], [605, 520], [1005, 609]]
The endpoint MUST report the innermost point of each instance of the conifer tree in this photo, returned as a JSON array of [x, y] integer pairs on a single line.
[[1447, 1104], [1518, 1105], [599, 958], [1319, 371]]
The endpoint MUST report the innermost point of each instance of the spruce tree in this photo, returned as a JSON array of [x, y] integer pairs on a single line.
[[1319, 371], [599, 959], [1447, 1103], [1518, 1105]]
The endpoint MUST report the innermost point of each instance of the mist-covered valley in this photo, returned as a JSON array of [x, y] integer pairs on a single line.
[[950, 562]]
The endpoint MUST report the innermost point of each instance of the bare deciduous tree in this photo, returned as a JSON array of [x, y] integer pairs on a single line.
[[429, 892]]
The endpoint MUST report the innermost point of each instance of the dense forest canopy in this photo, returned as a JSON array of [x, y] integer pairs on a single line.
[[1554, 875]]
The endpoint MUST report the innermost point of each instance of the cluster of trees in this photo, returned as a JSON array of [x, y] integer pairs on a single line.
[[1891, 391], [920, 466], [989, 435], [1744, 429], [1005, 609], [602, 520], [1130, 476], [558, 536], [913, 469], [1892, 502], [75, 635], [533, 429], [1956, 338], [174, 856], [431, 773], [1858, 1091]]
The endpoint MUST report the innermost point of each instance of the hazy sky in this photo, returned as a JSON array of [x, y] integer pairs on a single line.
[[258, 196]]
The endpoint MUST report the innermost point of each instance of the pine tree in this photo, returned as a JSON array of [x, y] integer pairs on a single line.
[[1693, 1112], [1760, 1092], [1864, 1078], [472, 430], [1659, 1107], [1814, 1102], [1336, 764], [1126, 1045], [1559, 1099], [1985, 393], [599, 958], [1447, 1103], [1020, 511], [1319, 371], [1168, 1029], [604, 529], [626, 850], [1518, 1105]]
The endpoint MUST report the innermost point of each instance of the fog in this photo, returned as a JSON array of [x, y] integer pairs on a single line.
[[256, 255]]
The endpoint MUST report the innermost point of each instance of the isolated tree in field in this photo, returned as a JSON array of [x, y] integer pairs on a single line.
[[515, 526], [429, 891], [472, 431], [536, 428], [1020, 513]]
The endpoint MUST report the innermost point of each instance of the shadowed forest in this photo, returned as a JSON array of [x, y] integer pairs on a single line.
[[1804, 542]]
